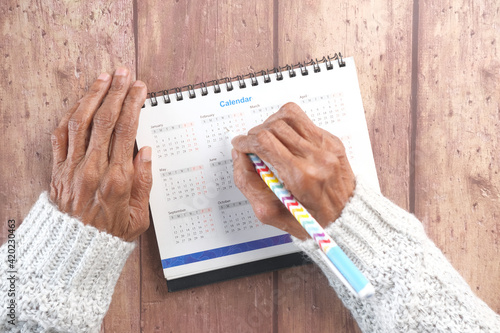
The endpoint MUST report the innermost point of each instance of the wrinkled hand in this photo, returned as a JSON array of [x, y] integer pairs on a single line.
[[95, 177], [311, 162]]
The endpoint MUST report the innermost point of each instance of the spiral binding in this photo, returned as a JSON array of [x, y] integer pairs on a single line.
[[240, 79]]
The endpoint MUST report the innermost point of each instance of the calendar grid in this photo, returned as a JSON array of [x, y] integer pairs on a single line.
[[184, 183], [238, 216], [193, 225], [222, 175], [175, 140], [216, 128]]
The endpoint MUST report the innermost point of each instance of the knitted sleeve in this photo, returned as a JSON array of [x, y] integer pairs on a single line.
[[64, 275], [417, 289]]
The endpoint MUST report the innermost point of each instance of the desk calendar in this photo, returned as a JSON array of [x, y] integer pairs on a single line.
[[205, 227]]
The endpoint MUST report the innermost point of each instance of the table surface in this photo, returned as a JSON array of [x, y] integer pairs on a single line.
[[428, 75]]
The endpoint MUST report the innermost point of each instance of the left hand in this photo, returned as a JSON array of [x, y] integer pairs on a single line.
[[94, 176]]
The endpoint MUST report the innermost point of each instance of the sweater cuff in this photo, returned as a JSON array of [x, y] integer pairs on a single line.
[[369, 229], [66, 264]]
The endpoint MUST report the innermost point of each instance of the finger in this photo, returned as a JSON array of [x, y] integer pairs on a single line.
[[105, 118], [267, 147], [141, 187], [295, 143], [247, 179], [79, 122], [59, 137], [291, 114], [297, 119], [266, 205], [126, 125]]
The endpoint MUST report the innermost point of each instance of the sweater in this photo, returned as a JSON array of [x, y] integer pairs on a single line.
[[67, 271], [416, 288]]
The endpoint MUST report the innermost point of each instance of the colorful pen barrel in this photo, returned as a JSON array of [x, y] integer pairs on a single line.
[[350, 274]]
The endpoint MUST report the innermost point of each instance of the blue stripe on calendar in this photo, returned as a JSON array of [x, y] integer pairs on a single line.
[[226, 251]]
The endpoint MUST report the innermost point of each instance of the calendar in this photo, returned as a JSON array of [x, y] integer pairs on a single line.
[[175, 140], [237, 217], [183, 183], [222, 173], [203, 222], [217, 128], [192, 225]]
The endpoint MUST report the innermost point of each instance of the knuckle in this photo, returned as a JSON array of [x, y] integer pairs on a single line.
[[118, 86], [103, 121], [89, 175], [263, 137], [120, 177], [94, 93], [262, 211], [113, 186], [137, 94], [125, 128], [120, 185], [76, 124], [56, 133], [56, 138], [311, 173], [332, 160], [95, 89], [290, 108], [278, 124]]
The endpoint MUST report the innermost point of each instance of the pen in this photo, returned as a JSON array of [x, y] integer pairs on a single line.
[[329, 251]]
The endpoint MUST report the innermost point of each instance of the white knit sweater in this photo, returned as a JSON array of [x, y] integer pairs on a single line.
[[417, 289], [67, 272]]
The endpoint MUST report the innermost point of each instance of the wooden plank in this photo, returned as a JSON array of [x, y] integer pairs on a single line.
[[378, 35], [180, 44], [50, 54], [124, 311], [457, 175]]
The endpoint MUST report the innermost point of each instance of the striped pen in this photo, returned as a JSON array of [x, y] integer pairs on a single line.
[[332, 254]]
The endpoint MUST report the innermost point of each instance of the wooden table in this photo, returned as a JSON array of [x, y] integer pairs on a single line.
[[429, 74]]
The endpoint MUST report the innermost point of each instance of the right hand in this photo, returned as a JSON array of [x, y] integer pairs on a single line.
[[311, 162]]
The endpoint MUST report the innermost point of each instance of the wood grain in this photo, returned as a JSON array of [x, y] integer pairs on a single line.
[[50, 54], [458, 132], [178, 44], [378, 36]]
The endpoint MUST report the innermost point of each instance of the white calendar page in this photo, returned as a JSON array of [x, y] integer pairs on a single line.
[[202, 221]]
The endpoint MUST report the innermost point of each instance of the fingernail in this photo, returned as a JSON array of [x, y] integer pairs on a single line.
[[138, 83], [121, 71], [104, 77], [234, 154], [146, 154]]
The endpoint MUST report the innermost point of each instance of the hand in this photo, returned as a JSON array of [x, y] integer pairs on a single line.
[[94, 175], [311, 162]]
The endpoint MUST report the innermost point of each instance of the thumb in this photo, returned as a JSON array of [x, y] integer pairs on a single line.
[[141, 187]]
